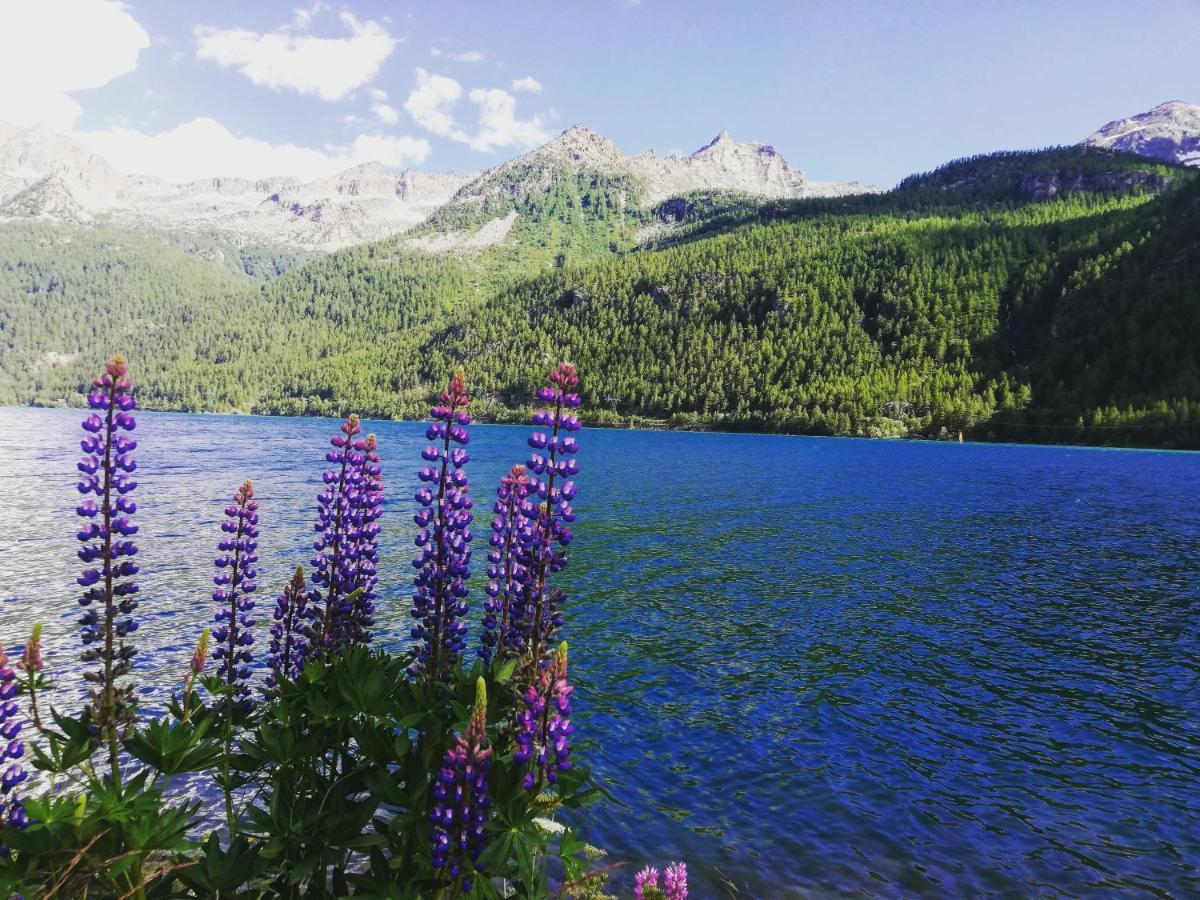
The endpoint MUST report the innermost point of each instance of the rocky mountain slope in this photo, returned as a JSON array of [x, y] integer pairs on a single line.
[[49, 177], [1170, 132], [584, 180]]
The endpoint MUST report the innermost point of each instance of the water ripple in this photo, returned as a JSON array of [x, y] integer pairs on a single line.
[[809, 667]]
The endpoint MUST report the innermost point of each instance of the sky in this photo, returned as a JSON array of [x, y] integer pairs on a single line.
[[848, 90]]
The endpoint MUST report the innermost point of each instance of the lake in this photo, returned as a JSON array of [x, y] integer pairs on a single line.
[[803, 665]]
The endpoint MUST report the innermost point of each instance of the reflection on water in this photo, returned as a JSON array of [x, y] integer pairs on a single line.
[[804, 665]]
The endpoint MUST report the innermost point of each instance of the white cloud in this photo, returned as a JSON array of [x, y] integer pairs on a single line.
[[433, 101], [431, 104], [204, 147], [465, 56], [330, 68], [386, 113], [49, 48], [499, 125], [528, 85], [302, 16]]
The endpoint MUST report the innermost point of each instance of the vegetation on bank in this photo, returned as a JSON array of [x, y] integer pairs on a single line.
[[1048, 296]]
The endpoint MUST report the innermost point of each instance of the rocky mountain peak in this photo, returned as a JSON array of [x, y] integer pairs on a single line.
[[1169, 131], [583, 148], [721, 140]]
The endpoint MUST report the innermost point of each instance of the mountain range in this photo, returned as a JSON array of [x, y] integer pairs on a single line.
[[1033, 295], [48, 176]]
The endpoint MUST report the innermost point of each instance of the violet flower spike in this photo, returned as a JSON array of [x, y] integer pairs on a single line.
[[347, 545], [235, 585], [362, 559], [544, 726], [548, 533], [444, 538], [503, 610], [288, 649], [12, 749], [109, 595], [460, 800]]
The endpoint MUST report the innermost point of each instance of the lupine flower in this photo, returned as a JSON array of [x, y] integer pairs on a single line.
[[235, 561], [31, 664], [444, 539], [675, 881], [108, 599], [31, 656], [646, 887], [548, 532], [287, 634], [195, 669], [460, 800], [544, 726], [12, 749], [505, 568], [364, 536], [645, 883], [347, 546]]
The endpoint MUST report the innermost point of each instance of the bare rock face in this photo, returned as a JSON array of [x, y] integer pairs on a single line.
[[28, 155], [1170, 132], [47, 199], [49, 176], [723, 164], [1050, 185]]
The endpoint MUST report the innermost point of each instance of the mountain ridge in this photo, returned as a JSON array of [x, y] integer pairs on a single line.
[[366, 201]]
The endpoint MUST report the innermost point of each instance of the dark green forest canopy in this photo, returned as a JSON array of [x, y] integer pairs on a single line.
[[1052, 295]]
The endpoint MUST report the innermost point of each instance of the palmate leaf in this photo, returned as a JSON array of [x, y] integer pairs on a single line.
[[217, 870], [175, 747]]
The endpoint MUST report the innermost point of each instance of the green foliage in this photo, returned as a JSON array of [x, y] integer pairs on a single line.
[[333, 776]]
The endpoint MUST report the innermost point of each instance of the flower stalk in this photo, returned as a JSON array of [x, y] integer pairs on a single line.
[[108, 599], [443, 541]]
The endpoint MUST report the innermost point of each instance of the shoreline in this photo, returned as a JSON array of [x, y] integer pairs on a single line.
[[650, 425]]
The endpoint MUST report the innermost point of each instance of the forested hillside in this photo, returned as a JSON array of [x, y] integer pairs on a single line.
[[1051, 295]]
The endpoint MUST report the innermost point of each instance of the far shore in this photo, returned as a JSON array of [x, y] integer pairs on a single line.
[[518, 418]]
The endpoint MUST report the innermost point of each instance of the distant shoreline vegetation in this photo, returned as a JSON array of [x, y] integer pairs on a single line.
[[1146, 433]]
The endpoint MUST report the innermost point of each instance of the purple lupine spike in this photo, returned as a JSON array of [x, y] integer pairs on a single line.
[[363, 560], [444, 539], [461, 801], [544, 726], [109, 596], [347, 546], [287, 633], [675, 881], [236, 559], [505, 568], [12, 749], [547, 531]]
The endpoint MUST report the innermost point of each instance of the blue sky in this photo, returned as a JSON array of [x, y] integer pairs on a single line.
[[847, 90]]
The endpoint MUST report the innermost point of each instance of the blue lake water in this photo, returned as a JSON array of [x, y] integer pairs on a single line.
[[806, 666]]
